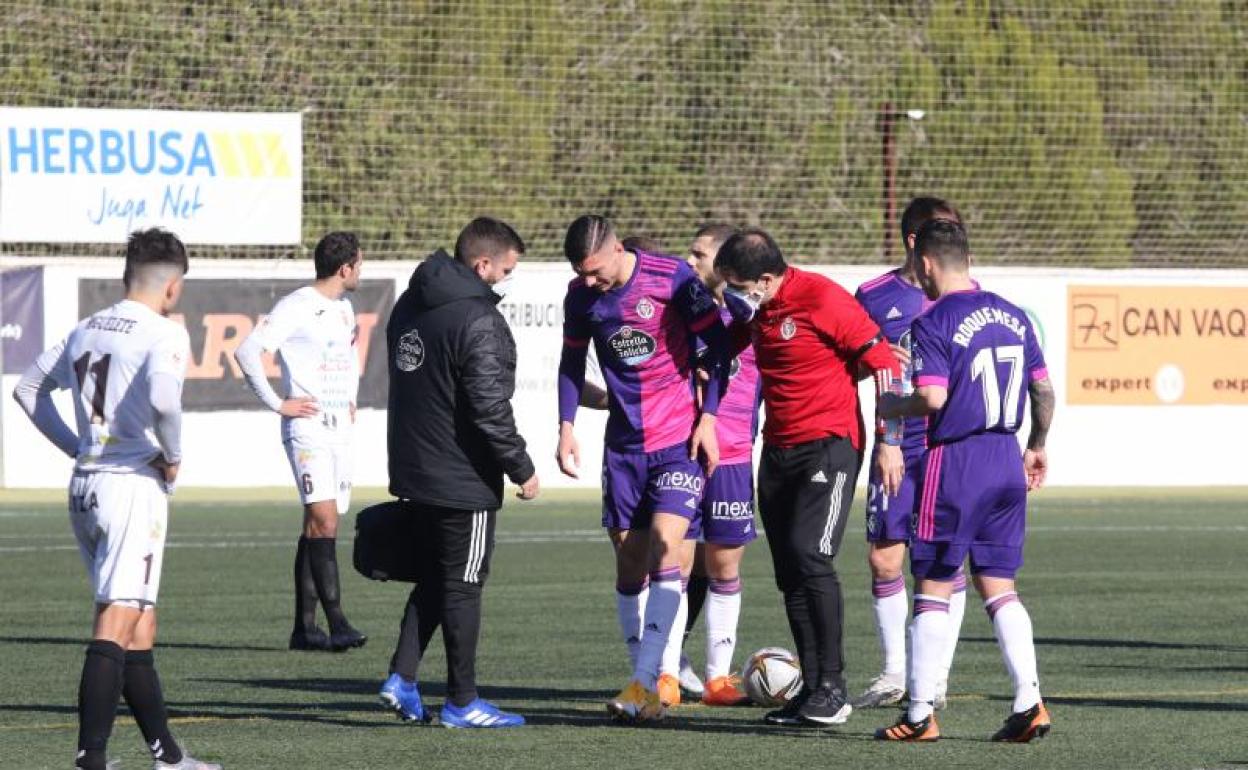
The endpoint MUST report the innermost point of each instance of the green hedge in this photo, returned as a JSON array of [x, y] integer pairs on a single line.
[[1075, 132]]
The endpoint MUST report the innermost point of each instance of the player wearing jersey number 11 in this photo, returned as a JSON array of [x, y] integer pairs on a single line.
[[124, 366]]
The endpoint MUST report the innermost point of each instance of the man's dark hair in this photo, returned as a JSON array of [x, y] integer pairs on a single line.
[[943, 241], [486, 237], [148, 250], [922, 210], [716, 231], [333, 251], [750, 253], [644, 243], [585, 236]]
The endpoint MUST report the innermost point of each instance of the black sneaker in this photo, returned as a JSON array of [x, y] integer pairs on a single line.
[[345, 638], [788, 713], [827, 705], [1023, 726], [313, 639]]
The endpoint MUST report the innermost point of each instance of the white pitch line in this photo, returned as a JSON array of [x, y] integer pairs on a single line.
[[557, 536]]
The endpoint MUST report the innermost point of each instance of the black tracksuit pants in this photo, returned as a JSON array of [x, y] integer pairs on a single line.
[[453, 549], [804, 496]]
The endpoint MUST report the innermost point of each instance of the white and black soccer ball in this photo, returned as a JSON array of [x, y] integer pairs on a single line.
[[771, 676]]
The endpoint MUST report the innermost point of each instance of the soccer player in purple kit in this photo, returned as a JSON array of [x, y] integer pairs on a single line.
[[728, 499], [893, 301], [644, 314], [973, 353]]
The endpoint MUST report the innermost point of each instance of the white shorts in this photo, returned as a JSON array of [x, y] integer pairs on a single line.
[[119, 520], [322, 471]]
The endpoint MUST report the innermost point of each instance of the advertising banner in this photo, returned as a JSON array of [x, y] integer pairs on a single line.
[[1150, 345], [219, 313], [21, 318], [95, 176]]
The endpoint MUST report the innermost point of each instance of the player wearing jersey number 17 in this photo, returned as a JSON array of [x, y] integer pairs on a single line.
[[314, 330], [973, 353], [124, 366]]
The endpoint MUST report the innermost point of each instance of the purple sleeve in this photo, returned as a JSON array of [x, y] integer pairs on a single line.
[[1036, 368], [701, 313], [718, 359], [576, 338], [930, 358]]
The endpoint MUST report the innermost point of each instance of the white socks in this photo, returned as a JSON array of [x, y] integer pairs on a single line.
[[661, 608], [929, 633], [957, 609], [676, 637], [891, 609], [1012, 625], [723, 609], [630, 606]]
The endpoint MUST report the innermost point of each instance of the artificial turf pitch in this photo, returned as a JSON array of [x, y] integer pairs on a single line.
[[1137, 601]]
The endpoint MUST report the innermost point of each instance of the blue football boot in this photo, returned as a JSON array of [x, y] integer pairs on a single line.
[[479, 713], [404, 698]]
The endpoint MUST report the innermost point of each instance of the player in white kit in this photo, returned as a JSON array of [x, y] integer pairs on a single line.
[[124, 366], [313, 328]]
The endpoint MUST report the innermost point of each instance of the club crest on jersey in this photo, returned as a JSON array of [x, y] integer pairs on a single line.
[[645, 308], [734, 368], [788, 328], [632, 346], [410, 352]]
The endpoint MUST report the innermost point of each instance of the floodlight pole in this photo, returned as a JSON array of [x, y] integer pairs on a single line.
[[888, 125]]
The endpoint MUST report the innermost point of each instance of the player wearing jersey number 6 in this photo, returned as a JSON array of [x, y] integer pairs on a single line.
[[314, 330], [124, 366]]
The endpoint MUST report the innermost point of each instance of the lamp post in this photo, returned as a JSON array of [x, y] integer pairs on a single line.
[[888, 147]]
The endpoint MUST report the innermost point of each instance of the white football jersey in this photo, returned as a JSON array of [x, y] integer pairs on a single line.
[[316, 338], [106, 362]]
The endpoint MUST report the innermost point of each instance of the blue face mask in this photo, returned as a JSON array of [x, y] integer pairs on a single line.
[[743, 305]]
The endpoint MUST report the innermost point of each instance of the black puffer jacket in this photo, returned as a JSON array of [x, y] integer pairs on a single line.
[[452, 359]]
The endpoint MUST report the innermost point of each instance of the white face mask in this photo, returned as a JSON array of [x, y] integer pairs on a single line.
[[502, 287], [745, 304]]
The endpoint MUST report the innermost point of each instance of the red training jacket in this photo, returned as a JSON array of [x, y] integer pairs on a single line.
[[808, 341]]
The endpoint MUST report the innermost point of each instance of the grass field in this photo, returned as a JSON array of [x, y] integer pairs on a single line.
[[1137, 601]]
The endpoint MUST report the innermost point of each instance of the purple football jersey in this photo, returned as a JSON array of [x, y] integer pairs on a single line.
[[893, 303], [984, 350], [645, 333]]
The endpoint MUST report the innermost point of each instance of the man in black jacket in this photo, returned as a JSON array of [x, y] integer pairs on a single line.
[[452, 437]]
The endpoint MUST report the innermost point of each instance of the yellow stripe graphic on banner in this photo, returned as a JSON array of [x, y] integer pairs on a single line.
[[250, 154]]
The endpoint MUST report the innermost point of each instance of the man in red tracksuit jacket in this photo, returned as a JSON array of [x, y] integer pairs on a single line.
[[811, 339]]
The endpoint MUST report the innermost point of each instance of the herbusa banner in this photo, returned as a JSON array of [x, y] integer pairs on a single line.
[[219, 313], [95, 176]]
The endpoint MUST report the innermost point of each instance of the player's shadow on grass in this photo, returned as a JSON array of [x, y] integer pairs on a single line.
[[224, 711], [82, 642], [1135, 644], [1171, 668], [432, 689], [1136, 702]]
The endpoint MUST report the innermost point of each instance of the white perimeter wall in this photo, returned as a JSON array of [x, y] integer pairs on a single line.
[[1089, 445]]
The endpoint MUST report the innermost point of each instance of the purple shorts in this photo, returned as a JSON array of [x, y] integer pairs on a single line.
[[972, 501], [728, 507], [889, 517], [636, 484]]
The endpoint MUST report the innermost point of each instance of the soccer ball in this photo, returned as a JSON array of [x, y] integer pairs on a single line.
[[771, 676]]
